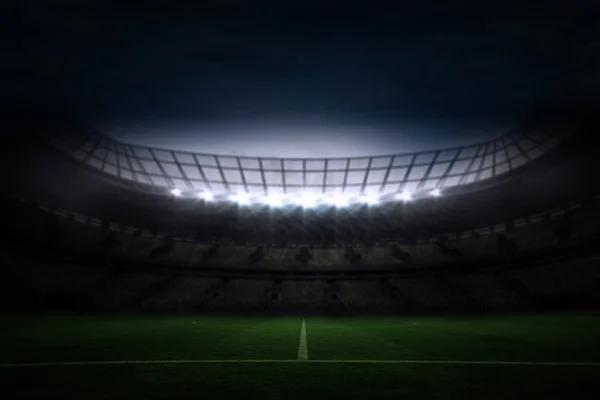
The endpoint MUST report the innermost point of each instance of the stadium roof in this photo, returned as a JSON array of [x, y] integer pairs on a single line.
[[386, 176]]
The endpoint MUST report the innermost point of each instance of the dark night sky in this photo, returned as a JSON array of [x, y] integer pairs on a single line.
[[303, 78]]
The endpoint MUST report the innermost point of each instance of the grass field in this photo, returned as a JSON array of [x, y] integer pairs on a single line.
[[151, 357]]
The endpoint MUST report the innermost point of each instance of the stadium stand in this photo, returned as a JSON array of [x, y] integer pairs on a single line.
[[136, 247]]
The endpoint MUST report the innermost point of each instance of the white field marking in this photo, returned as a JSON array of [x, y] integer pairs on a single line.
[[303, 347], [288, 361]]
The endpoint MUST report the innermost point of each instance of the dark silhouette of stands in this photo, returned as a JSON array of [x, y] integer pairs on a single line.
[[274, 292], [154, 289], [403, 256], [271, 296], [257, 256], [512, 284], [450, 252], [53, 229], [211, 253], [565, 228], [109, 242], [352, 257], [304, 255], [334, 297], [212, 292], [392, 290], [163, 248], [471, 302], [332, 290], [506, 246]]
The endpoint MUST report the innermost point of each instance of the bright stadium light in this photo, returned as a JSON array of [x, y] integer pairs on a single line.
[[436, 192], [337, 200], [206, 196], [405, 196], [370, 198], [273, 200], [307, 200], [242, 198], [341, 200], [176, 192]]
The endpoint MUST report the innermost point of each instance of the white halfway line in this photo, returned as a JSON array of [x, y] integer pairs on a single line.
[[288, 361], [303, 347]]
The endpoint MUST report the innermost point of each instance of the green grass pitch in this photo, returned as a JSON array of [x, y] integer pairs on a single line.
[[151, 357]]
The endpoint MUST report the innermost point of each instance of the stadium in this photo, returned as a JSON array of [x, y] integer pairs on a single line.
[[139, 271]]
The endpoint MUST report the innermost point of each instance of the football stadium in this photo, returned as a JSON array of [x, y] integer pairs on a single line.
[[138, 271]]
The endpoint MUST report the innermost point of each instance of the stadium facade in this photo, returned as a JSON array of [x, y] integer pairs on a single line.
[[81, 207]]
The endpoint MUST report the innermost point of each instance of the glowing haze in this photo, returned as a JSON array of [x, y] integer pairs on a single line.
[[297, 139], [301, 79]]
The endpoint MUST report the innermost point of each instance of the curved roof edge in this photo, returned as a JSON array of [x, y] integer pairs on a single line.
[[383, 175]]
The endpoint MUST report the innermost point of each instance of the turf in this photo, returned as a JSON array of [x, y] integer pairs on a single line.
[[135, 357]]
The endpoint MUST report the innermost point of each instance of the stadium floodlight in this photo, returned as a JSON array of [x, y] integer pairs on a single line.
[[176, 192], [436, 192], [370, 198], [241, 198], [307, 200], [206, 196], [405, 196], [273, 200], [337, 200]]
